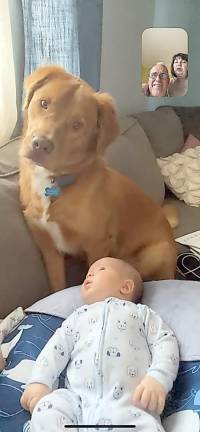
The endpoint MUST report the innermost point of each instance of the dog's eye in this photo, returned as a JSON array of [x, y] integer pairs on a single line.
[[76, 124], [44, 104]]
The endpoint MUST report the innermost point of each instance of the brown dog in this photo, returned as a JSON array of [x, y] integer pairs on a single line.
[[73, 203]]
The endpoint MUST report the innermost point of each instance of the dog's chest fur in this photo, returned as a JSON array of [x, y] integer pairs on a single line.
[[41, 180]]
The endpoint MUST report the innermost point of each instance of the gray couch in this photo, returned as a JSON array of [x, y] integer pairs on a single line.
[[143, 137], [147, 136]]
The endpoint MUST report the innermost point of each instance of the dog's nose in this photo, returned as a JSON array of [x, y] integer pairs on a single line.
[[42, 144]]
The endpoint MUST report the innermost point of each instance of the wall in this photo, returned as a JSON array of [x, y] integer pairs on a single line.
[[123, 24], [185, 14], [161, 43]]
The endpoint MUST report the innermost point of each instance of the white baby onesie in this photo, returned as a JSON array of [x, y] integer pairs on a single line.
[[108, 347]]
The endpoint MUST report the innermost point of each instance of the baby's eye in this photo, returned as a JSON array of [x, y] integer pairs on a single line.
[[102, 268]]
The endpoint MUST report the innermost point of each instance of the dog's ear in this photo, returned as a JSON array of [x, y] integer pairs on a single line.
[[108, 126], [38, 78]]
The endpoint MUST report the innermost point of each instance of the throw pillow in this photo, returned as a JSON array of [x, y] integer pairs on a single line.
[[191, 142], [163, 129], [181, 172]]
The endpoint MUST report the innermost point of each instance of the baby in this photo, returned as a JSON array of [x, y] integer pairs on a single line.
[[120, 359]]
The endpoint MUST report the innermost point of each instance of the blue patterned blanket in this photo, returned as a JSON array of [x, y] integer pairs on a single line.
[[25, 343]]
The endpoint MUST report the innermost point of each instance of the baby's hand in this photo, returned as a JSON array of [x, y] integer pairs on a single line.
[[150, 394], [32, 394]]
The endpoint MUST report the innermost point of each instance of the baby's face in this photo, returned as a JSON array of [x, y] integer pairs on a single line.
[[103, 280]]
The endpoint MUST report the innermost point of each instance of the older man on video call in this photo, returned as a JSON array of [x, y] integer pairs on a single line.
[[158, 81]]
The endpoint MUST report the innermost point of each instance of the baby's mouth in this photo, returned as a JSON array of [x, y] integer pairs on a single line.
[[87, 283]]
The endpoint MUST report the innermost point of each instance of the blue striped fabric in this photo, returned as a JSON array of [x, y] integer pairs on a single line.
[[64, 32], [51, 34]]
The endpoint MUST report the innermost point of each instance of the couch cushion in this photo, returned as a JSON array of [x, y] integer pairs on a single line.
[[190, 119], [131, 155], [125, 123], [164, 130]]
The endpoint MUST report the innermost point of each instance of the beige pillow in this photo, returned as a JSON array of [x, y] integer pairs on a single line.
[[181, 172]]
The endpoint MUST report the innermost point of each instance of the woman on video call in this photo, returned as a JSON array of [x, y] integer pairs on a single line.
[[179, 69]]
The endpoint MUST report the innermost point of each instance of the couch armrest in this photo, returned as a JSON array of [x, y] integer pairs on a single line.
[[22, 275]]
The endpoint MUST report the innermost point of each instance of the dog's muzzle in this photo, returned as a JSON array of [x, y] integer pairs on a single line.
[[41, 147]]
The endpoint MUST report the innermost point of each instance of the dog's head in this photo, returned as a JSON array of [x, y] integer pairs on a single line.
[[66, 123]]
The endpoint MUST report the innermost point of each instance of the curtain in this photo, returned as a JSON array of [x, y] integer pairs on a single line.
[[51, 36], [8, 106], [65, 32]]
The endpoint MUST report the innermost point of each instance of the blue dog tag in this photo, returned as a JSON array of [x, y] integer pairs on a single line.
[[52, 191]]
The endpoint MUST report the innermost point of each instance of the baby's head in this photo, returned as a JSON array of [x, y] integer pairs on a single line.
[[111, 277]]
